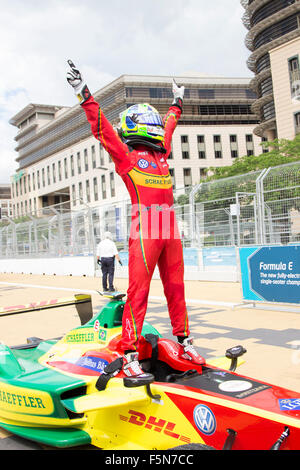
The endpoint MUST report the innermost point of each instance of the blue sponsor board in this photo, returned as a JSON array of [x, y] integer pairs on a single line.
[[190, 256], [271, 273], [124, 257], [219, 256]]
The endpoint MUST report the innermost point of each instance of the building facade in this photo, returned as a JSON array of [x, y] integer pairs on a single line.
[[273, 39], [5, 201], [285, 66], [60, 161]]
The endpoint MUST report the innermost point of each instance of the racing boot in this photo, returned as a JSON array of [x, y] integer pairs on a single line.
[[189, 352], [135, 376]]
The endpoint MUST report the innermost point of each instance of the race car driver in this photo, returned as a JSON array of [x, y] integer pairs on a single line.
[[139, 152]]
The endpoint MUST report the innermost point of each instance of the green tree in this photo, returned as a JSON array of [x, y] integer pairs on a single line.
[[281, 151]]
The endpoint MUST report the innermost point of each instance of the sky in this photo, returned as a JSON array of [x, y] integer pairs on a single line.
[[106, 39]]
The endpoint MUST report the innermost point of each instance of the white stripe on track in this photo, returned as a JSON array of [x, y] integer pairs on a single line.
[[87, 291]]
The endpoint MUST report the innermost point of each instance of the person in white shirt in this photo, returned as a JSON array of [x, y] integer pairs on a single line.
[[106, 254]]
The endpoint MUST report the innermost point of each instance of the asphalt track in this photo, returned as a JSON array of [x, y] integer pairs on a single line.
[[217, 322]]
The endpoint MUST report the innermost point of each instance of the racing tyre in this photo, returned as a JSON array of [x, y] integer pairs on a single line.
[[193, 446]]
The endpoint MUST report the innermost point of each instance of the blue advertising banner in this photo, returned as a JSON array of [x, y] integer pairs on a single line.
[[219, 256], [190, 256], [271, 274]]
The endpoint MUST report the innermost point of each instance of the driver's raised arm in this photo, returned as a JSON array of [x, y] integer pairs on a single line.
[[100, 125]]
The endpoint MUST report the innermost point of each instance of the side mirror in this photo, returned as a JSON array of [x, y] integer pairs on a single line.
[[234, 353]]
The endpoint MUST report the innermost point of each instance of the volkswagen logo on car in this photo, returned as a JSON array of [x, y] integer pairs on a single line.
[[205, 419]]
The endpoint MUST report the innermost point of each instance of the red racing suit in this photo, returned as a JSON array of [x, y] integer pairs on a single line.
[[154, 236]]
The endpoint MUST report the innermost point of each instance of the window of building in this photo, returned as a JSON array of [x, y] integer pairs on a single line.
[[297, 123], [78, 163], [48, 175], [233, 146], [266, 87], [53, 173], [59, 170], [185, 148], [160, 92], [25, 184], [172, 174], [93, 156], [80, 193], [201, 146], [227, 109], [103, 186], [101, 152], [87, 190], [202, 173], [112, 184], [263, 63], [95, 188], [276, 30], [86, 162], [66, 168], [72, 165], [38, 179], [217, 146], [206, 93], [73, 195], [249, 145], [187, 177], [43, 177], [294, 72], [29, 183], [265, 149]]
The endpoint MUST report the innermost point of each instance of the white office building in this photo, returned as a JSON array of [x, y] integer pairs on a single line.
[[60, 161]]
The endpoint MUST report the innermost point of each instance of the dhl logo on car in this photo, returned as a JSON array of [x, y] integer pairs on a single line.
[[153, 423]]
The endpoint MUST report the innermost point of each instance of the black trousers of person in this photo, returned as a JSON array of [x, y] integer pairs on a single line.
[[108, 271]]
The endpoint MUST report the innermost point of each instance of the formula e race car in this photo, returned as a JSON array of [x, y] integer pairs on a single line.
[[70, 391]]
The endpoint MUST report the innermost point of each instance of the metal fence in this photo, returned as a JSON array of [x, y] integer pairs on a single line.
[[261, 207]]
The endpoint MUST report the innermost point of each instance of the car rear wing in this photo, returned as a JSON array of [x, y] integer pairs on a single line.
[[82, 302]]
